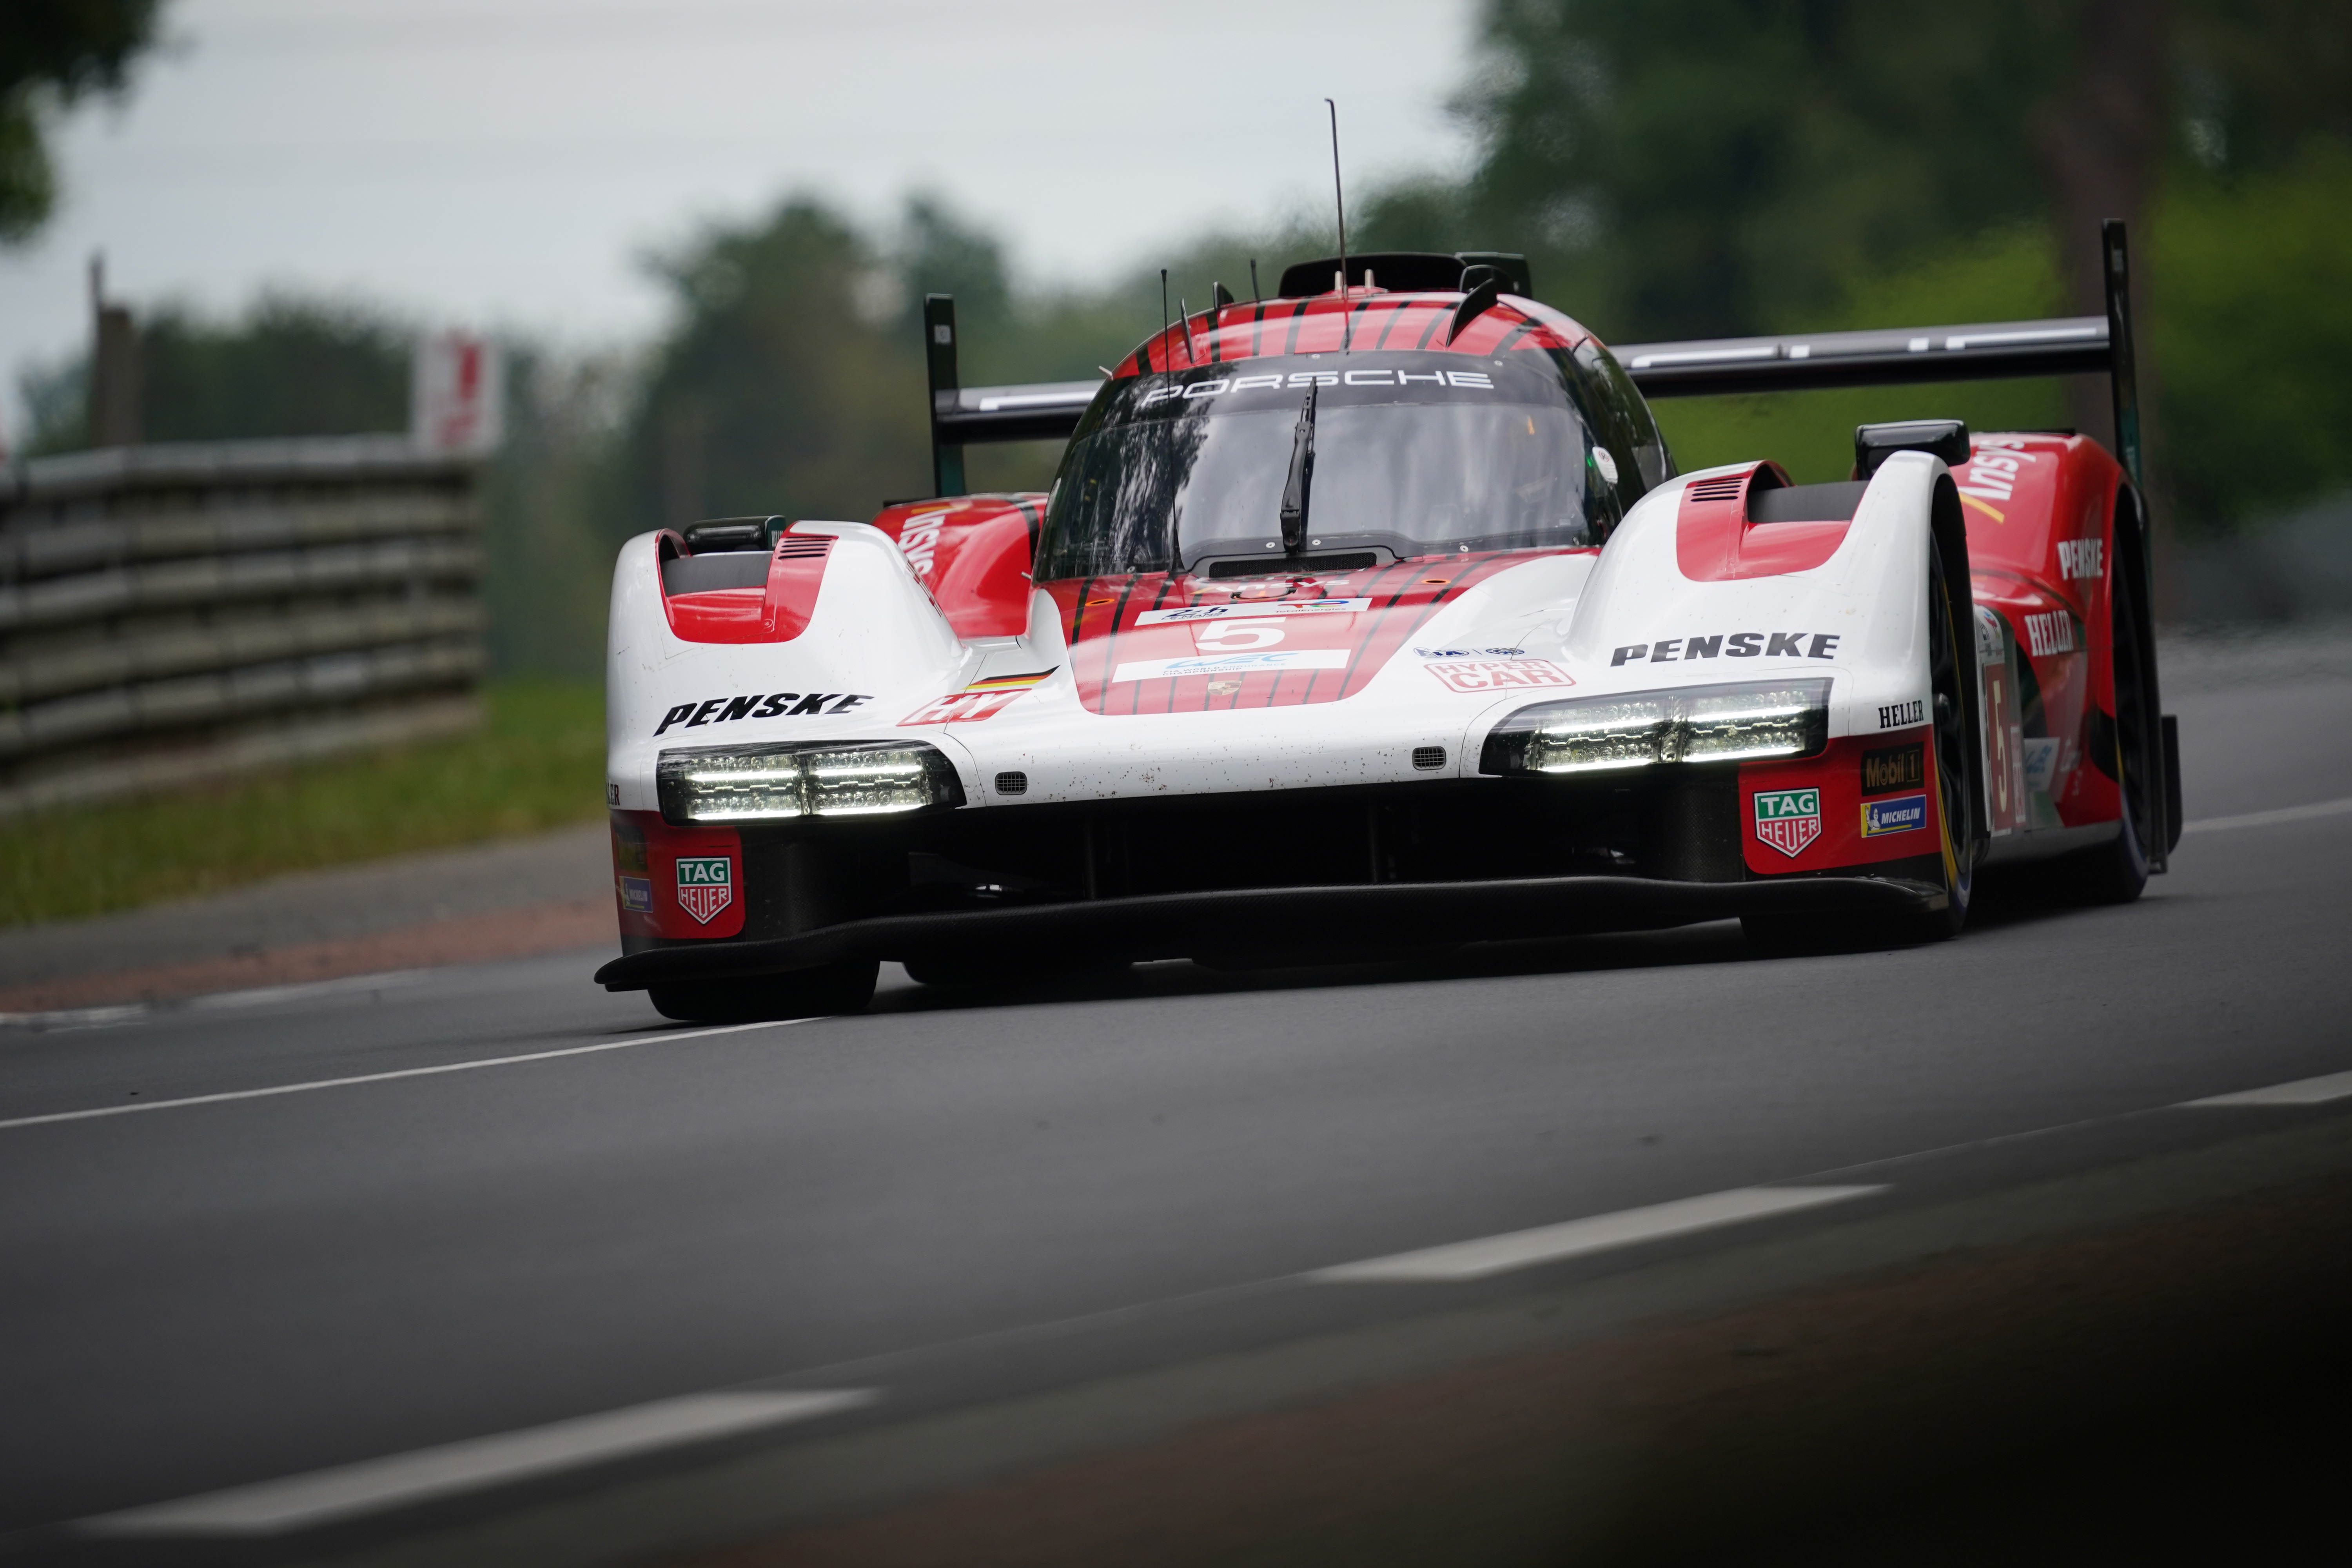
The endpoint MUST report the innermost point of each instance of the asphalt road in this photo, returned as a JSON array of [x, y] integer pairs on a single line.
[[1049, 1241]]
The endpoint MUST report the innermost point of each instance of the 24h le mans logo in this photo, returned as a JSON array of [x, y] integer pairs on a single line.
[[1788, 819], [706, 884]]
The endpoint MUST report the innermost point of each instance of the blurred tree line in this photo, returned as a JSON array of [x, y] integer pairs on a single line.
[[1673, 167]]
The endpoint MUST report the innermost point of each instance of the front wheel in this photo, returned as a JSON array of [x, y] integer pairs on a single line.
[[802, 994], [1956, 745]]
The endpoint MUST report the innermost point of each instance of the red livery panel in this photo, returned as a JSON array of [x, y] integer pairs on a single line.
[[1715, 543], [1141, 644], [676, 881]]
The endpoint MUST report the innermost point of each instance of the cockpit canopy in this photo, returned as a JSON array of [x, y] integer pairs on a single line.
[[1414, 454]]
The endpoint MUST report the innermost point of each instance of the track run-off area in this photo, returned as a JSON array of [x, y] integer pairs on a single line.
[[1620, 1248]]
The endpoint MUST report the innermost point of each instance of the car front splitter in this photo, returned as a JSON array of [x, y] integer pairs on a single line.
[[1384, 916]]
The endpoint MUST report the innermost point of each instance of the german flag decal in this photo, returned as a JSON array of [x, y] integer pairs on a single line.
[[980, 700]]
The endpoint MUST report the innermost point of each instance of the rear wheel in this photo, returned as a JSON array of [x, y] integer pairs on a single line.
[[1956, 744], [802, 994], [2117, 871]]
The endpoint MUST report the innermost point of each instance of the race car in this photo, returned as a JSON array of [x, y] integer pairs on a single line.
[[1372, 618]]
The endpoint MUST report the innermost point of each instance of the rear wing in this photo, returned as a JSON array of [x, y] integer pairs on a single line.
[[965, 415]]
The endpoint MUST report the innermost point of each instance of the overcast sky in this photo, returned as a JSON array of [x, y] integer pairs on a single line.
[[508, 163]]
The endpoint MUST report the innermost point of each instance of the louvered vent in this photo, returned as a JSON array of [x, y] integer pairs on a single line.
[[1725, 488], [800, 547]]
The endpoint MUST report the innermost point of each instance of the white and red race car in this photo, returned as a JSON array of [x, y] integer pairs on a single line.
[[1374, 617]]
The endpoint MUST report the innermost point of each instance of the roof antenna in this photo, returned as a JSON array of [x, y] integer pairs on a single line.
[[1256, 298], [1185, 315], [1166, 360], [1339, 200]]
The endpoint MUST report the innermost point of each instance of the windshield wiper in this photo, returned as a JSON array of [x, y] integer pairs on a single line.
[[1301, 478]]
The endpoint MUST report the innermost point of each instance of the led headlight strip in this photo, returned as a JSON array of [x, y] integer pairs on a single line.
[[1688, 724], [772, 783]]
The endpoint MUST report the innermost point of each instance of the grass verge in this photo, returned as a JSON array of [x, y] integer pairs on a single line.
[[539, 762]]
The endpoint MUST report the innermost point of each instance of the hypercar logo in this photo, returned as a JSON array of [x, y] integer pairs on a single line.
[[1788, 819], [1904, 815], [706, 884], [1498, 674]]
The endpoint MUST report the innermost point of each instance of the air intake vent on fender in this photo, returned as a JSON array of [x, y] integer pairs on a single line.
[[1726, 487]]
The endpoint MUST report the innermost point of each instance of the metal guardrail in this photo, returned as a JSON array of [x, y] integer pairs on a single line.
[[173, 614]]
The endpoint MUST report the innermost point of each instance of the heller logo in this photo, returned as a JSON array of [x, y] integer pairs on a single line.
[[1788, 819], [1904, 815], [706, 884], [1901, 715], [1896, 767], [2051, 632]]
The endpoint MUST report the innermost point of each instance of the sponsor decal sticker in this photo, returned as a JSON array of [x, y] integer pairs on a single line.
[[1895, 768], [760, 705], [637, 895], [1233, 664], [1788, 819], [1908, 814], [2041, 753], [1730, 645], [2051, 632], [706, 884], [1477, 380], [1497, 674], [1470, 653], [980, 700], [2080, 557], [919, 536], [1254, 611], [1993, 466], [1902, 715]]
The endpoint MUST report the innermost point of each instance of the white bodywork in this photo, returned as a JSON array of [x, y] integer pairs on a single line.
[[875, 632]]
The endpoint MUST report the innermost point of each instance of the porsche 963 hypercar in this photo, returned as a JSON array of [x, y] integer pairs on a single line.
[[1373, 617]]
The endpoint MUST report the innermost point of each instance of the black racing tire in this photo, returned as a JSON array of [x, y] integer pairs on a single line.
[[801, 993], [1951, 659], [2116, 872]]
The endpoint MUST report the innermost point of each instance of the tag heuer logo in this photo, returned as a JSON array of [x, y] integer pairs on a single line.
[[1788, 819], [706, 884]]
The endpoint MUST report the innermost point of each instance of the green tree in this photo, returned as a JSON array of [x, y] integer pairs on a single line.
[[789, 384], [287, 366], [53, 53]]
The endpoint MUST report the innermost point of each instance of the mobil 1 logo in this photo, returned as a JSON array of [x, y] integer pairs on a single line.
[[1788, 819]]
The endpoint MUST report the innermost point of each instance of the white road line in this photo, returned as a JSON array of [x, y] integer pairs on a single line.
[[1550, 1243], [298, 1502], [2302, 1091], [2266, 818], [387, 1076]]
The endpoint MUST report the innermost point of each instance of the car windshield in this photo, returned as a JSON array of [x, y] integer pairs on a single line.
[[1413, 452]]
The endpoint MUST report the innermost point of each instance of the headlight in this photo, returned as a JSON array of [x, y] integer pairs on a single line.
[[769, 784], [1693, 724]]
